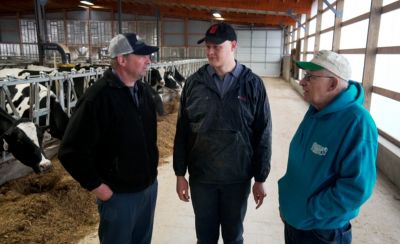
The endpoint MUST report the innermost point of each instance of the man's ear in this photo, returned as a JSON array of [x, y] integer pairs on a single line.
[[234, 45], [334, 83], [121, 60]]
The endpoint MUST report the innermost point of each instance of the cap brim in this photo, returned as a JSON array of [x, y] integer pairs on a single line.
[[146, 50], [308, 66]]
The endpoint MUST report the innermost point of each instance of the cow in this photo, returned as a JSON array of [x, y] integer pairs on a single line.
[[173, 79], [155, 79], [23, 140], [166, 88], [58, 120]]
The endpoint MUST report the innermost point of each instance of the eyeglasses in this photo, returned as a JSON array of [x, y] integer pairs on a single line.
[[309, 77]]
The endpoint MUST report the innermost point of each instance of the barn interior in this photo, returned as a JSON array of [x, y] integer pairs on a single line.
[[70, 39]]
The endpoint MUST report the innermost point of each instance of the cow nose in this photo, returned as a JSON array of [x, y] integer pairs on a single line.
[[45, 165]]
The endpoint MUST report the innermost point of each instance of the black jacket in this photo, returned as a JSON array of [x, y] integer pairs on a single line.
[[223, 139], [109, 140]]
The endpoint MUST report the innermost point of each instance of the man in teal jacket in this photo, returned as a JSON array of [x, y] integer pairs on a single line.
[[331, 168]]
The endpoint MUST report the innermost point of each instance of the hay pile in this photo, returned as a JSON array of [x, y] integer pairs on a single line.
[[53, 208]]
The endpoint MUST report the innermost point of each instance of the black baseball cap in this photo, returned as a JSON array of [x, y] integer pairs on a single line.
[[219, 33]]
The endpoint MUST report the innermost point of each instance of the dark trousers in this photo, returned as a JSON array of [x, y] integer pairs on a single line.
[[128, 217], [318, 236], [218, 205]]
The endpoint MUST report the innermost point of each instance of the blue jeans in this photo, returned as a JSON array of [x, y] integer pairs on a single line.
[[218, 205], [128, 217], [318, 236]]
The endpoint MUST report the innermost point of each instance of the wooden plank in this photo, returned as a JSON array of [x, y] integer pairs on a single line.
[[352, 51], [386, 93], [391, 7], [337, 28], [389, 137], [370, 52], [388, 50], [355, 19], [318, 27]]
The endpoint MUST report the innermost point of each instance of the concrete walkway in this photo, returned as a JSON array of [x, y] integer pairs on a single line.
[[378, 222]]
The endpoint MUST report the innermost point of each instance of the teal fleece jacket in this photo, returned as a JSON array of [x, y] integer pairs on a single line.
[[331, 168]]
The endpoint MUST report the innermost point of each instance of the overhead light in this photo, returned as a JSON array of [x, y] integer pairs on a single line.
[[87, 2], [216, 14]]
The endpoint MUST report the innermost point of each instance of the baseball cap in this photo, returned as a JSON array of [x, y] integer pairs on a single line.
[[218, 33], [331, 61], [129, 43]]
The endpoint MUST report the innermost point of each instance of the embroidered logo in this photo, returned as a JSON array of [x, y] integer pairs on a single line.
[[318, 149], [213, 29], [242, 98]]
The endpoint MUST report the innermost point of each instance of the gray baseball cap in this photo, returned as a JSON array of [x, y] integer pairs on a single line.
[[129, 43]]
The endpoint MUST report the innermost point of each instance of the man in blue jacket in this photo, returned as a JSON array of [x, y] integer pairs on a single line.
[[331, 168], [223, 138]]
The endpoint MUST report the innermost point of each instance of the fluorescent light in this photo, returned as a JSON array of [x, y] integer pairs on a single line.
[[87, 2], [216, 14]]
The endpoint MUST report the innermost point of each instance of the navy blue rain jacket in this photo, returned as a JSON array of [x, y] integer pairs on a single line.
[[223, 139]]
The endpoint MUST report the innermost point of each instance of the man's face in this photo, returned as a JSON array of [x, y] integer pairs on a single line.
[[219, 54], [317, 86], [136, 65]]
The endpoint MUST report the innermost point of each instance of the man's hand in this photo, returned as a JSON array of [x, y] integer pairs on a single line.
[[103, 192], [182, 188], [259, 193]]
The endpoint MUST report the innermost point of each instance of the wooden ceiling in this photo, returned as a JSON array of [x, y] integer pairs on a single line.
[[264, 13]]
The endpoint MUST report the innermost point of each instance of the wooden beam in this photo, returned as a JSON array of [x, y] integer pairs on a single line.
[[388, 50], [370, 52], [338, 30], [303, 6], [386, 93]]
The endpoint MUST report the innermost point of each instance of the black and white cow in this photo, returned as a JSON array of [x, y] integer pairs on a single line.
[[173, 79], [58, 120], [23, 140]]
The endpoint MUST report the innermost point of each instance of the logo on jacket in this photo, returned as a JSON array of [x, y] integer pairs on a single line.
[[242, 98], [318, 149]]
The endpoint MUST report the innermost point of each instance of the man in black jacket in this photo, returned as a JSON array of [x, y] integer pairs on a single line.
[[110, 145], [223, 138]]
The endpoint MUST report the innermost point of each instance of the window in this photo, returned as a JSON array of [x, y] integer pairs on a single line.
[[328, 19], [386, 119], [354, 35], [354, 8], [388, 34], [100, 32], [148, 32], [77, 32], [314, 8], [311, 43], [28, 31], [326, 41], [312, 26], [386, 71], [55, 31], [357, 66]]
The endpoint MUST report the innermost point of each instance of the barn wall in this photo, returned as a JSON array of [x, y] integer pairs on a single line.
[[261, 50]]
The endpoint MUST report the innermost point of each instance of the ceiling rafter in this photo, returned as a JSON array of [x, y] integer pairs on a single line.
[[250, 12]]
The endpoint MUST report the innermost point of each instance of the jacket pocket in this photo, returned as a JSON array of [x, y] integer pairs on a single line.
[[220, 156]]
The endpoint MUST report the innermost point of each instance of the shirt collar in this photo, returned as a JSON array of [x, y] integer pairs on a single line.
[[235, 72]]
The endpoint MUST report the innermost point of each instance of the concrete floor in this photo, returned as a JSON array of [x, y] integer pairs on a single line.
[[378, 222]]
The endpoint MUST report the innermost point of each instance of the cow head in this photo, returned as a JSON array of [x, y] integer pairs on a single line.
[[23, 140]]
